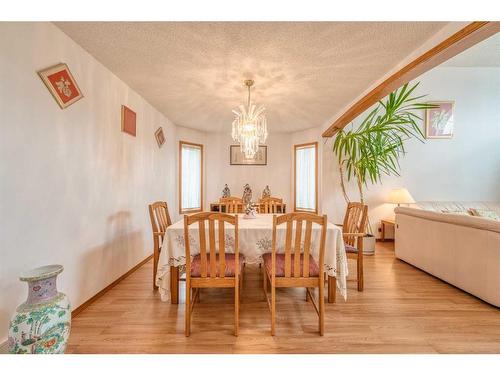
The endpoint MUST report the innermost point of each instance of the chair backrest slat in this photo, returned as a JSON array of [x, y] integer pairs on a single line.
[[288, 249], [299, 219], [222, 249], [203, 248], [271, 205], [298, 235], [231, 205], [307, 248], [355, 221], [208, 257], [211, 236], [160, 218]]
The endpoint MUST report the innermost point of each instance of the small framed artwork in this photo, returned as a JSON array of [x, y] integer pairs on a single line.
[[160, 138], [61, 84], [236, 157], [128, 121], [439, 121]]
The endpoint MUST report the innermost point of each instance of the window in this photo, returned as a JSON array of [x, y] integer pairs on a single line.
[[190, 177], [306, 177]]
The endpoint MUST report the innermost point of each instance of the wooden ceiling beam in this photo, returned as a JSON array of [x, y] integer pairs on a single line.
[[465, 38]]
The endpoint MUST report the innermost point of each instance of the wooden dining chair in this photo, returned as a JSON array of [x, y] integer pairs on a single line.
[[271, 205], [215, 268], [232, 205], [160, 220], [295, 268], [353, 231]]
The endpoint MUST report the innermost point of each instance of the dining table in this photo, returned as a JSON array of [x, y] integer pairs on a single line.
[[255, 239]]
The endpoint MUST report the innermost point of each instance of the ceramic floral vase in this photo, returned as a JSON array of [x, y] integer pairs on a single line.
[[41, 325]]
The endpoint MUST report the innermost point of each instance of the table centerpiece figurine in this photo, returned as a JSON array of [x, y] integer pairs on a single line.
[[266, 193], [226, 193], [250, 212], [247, 194], [41, 324]]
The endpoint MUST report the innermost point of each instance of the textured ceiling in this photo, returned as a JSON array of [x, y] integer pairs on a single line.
[[304, 72], [483, 54]]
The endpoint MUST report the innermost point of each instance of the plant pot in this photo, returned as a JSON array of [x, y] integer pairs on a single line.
[[41, 325], [369, 244]]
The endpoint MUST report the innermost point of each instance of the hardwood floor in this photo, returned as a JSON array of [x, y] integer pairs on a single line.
[[401, 310]]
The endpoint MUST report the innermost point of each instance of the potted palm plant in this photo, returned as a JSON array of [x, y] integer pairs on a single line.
[[372, 149]]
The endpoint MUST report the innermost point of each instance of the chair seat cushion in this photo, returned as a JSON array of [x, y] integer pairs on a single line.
[[230, 265], [280, 265], [350, 249]]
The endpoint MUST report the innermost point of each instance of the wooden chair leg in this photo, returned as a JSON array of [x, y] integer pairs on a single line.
[[360, 273], [264, 283], [307, 296], [273, 309], [241, 283], [322, 308], [156, 257], [188, 309], [198, 292], [236, 306], [332, 289], [174, 285]]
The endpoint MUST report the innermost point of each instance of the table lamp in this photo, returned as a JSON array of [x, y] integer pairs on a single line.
[[400, 196]]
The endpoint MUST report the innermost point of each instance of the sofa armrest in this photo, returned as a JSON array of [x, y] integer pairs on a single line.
[[461, 220]]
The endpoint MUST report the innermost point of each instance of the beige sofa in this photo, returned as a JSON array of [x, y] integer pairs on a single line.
[[461, 250]]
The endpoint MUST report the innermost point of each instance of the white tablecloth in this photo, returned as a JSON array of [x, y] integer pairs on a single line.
[[255, 239]]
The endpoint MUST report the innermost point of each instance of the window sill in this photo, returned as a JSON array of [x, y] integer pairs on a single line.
[[310, 210], [190, 211]]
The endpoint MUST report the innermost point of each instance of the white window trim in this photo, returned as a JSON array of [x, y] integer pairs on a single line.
[[295, 148], [190, 210]]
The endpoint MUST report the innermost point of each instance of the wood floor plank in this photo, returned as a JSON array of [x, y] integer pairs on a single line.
[[401, 310]]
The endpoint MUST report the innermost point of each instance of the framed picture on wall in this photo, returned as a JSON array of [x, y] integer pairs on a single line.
[[160, 138], [128, 121], [61, 84], [439, 121], [236, 157]]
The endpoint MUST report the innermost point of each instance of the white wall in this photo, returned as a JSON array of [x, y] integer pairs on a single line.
[[466, 167], [276, 174], [73, 187]]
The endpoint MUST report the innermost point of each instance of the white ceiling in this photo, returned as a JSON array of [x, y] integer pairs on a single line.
[[483, 54], [304, 72]]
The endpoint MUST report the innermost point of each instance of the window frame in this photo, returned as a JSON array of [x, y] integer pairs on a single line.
[[190, 210], [316, 162]]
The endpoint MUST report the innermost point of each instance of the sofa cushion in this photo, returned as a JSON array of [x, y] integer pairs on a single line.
[[280, 264], [439, 206], [350, 249], [488, 214], [456, 212], [461, 220]]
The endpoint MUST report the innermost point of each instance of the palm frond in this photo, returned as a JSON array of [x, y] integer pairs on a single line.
[[374, 147]]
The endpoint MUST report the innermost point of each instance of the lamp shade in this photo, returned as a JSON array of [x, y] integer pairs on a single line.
[[400, 196]]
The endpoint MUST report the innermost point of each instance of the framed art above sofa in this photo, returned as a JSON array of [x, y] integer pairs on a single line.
[[439, 121]]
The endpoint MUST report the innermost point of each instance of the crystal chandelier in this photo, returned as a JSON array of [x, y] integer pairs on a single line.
[[249, 126]]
